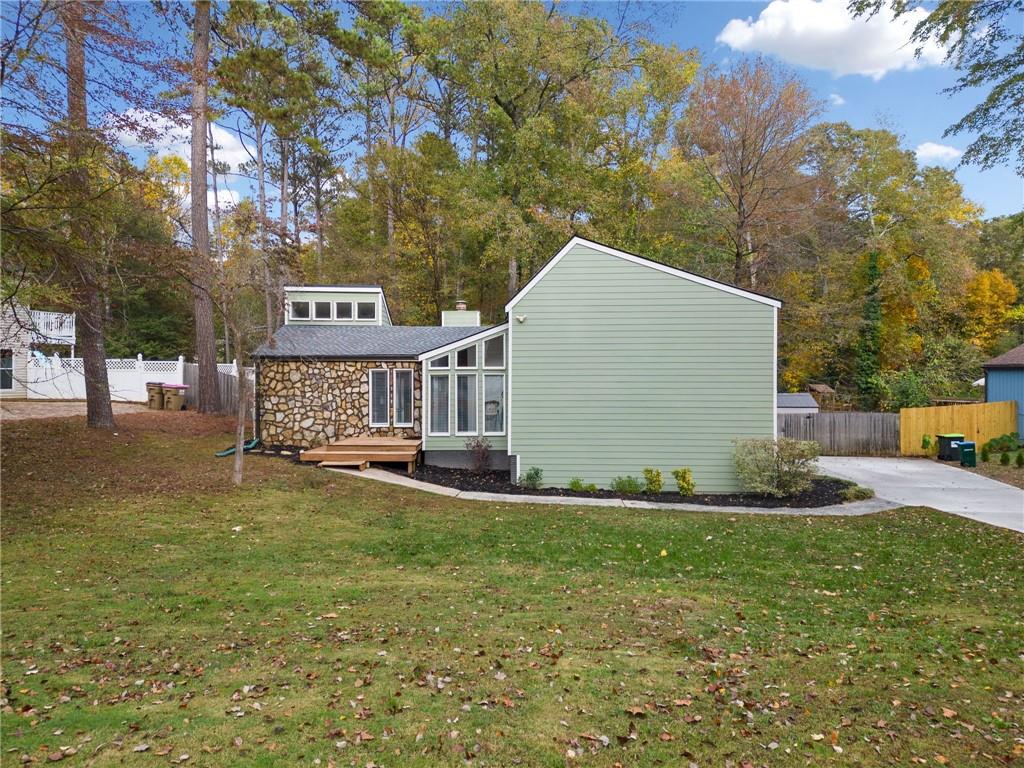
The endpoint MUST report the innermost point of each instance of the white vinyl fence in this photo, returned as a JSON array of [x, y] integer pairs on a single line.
[[57, 378]]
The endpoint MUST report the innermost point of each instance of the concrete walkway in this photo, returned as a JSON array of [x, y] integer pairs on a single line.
[[852, 508], [927, 483]]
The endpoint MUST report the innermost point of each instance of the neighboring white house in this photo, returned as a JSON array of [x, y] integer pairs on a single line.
[[20, 328], [796, 402]]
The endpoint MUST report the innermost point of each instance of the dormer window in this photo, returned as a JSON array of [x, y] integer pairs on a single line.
[[366, 310], [299, 310], [343, 310], [322, 310]]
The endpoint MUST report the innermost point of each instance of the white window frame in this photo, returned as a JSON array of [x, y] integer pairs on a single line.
[[412, 397], [447, 363], [330, 310], [477, 410], [428, 411], [351, 310], [376, 311], [504, 406], [10, 359], [387, 386], [309, 309], [504, 354], [476, 358]]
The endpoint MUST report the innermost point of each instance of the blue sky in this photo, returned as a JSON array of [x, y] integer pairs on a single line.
[[826, 48]]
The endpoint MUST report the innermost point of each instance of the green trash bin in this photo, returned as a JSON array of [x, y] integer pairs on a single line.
[[968, 454]]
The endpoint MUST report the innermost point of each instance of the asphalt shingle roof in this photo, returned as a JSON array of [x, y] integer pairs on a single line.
[[1012, 359], [796, 400], [362, 342]]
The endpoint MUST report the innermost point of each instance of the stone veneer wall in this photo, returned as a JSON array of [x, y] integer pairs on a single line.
[[307, 403]]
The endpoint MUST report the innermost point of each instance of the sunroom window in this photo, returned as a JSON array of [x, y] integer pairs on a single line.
[[465, 404], [439, 362], [494, 352], [299, 310], [439, 404], [466, 358], [494, 404]]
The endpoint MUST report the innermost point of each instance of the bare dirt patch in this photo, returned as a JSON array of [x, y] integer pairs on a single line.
[[19, 410]]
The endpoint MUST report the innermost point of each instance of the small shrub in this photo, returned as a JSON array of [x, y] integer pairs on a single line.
[[627, 485], [857, 493], [985, 454], [1004, 443], [1004, 458], [926, 443], [532, 478], [652, 480], [1019, 461], [577, 484], [779, 468], [480, 447], [684, 480]]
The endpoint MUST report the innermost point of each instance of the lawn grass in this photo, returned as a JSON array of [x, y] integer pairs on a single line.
[[310, 617]]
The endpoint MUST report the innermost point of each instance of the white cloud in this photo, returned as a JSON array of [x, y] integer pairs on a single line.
[[821, 34], [931, 153], [228, 198], [836, 100], [156, 133]]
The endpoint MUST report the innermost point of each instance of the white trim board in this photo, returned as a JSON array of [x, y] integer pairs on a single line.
[[633, 259], [464, 341]]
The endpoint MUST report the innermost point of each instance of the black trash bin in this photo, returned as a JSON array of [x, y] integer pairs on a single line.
[[949, 446]]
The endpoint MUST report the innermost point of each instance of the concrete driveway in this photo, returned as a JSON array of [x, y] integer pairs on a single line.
[[926, 483]]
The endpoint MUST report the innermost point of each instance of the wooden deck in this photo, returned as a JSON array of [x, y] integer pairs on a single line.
[[358, 452]]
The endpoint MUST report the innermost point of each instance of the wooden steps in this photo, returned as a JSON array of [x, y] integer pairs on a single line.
[[358, 452]]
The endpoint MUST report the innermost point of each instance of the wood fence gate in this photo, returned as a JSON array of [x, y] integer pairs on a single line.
[[845, 433]]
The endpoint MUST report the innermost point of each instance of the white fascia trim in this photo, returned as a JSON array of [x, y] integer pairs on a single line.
[[635, 260], [464, 342], [775, 373]]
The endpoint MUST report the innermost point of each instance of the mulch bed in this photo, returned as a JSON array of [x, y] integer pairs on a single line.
[[823, 491]]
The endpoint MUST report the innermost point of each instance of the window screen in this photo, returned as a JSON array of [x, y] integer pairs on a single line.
[[366, 310], [465, 403], [439, 405], [322, 310], [300, 310], [379, 398], [494, 352], [494, 403], [343, 310], [403, 398]]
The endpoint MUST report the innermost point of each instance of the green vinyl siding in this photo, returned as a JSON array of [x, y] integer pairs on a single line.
[[453, 442], [618, 366], [313, 295]]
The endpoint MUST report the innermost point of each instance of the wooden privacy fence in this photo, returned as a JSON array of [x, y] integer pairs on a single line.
[[845, 433], [227, 384], [979, 422]]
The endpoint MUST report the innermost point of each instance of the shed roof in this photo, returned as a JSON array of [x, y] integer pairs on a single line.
[[361, 342], [795, 400], [1012, 359]]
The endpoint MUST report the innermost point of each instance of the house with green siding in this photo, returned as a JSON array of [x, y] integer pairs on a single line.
[[606, 363]]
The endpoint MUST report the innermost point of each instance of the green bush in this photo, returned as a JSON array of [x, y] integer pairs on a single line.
[[1004, 458], [779, 468], [576, 484], [985, 454], [926, 442], [627, 484], [1019, 461], [1003, 443], [684, 480], [857, 493], [652, 480], [532, 478]]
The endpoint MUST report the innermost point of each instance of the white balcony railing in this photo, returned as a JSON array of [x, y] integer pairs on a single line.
[[53, 327]]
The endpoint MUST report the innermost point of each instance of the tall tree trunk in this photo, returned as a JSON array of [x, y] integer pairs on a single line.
[[241, 415], [88, 295], [279, 285], [207, 396], [317, 205], [269, 294], [219, 239]]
